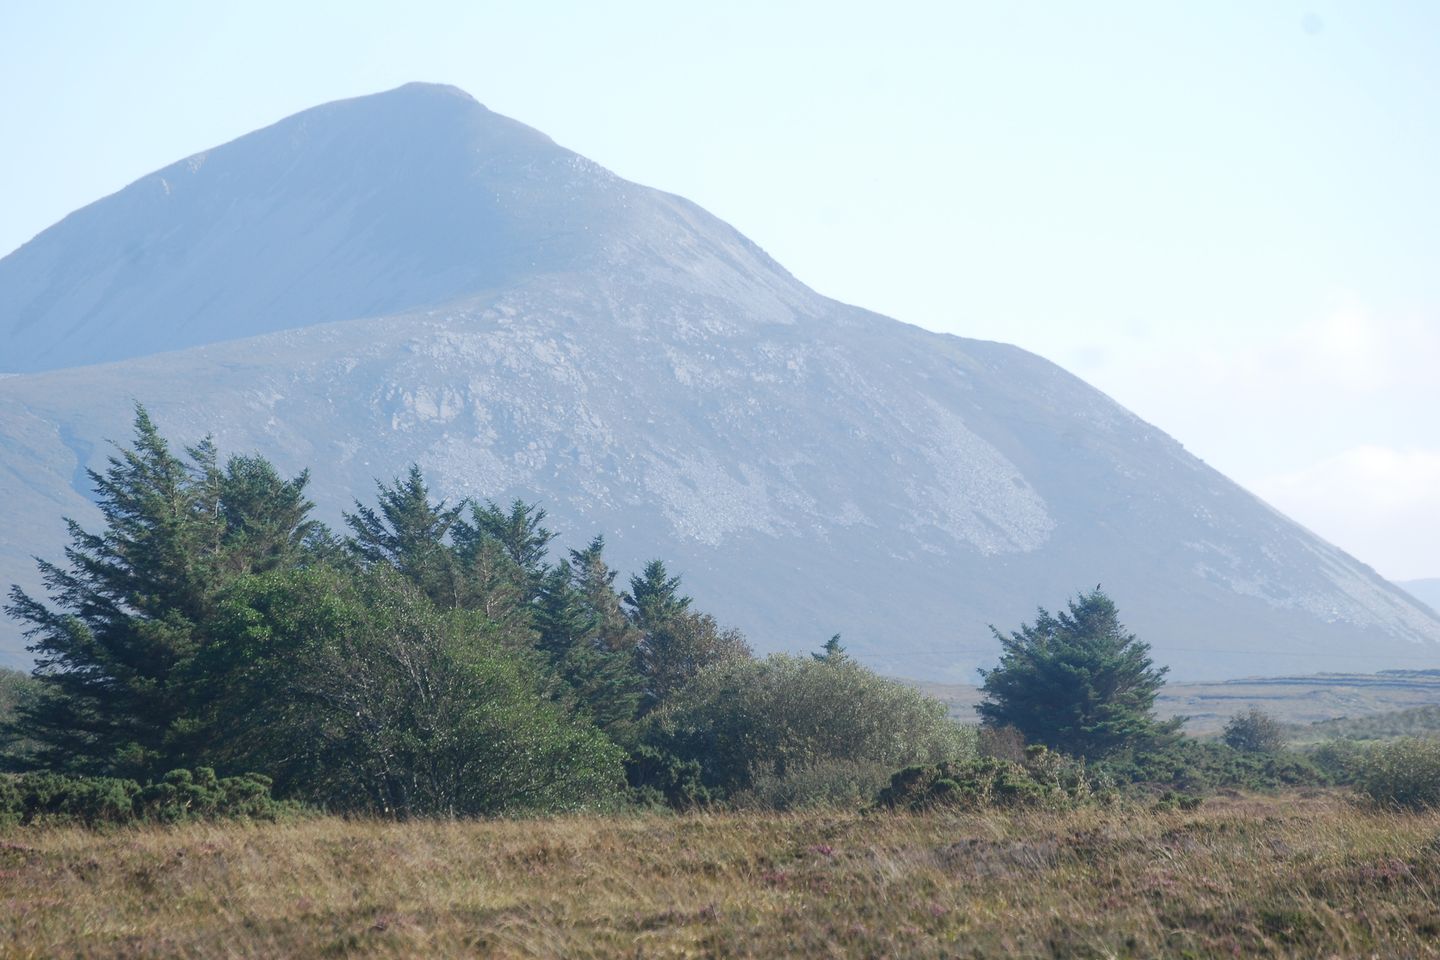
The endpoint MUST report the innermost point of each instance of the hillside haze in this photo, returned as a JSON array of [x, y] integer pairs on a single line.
[[411, 277]]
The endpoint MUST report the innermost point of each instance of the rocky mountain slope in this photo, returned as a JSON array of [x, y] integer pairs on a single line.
[[410, 277]]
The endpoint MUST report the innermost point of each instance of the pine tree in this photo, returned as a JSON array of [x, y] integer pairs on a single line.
[[267, 518], [131, 607], [520, 533], [408, 533], [603, 681], [1077, 682], [595, 581], [832, 652], [654, 597]]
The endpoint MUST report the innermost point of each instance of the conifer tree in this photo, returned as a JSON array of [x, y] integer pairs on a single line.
[[595, 581], [131, 605], [603, 681], [520, 532], [832, 652], [655, 597], [408, 533], [1077, 682]]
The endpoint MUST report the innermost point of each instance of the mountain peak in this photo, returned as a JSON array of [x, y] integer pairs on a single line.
[[409, 198]]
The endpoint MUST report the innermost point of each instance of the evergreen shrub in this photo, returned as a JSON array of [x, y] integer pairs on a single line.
[[181, 795]]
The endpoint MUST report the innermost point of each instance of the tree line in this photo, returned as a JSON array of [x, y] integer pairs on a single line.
[[432, 657], [213, 648]]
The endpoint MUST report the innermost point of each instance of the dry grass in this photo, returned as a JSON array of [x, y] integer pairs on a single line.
[[1294, 876]]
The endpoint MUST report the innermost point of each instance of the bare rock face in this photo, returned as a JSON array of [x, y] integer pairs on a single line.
[[410, 277]]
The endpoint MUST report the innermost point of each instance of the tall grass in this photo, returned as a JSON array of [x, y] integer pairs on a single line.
[[1279, 877]]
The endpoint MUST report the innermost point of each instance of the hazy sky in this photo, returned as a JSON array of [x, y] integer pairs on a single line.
[[1225, 215]]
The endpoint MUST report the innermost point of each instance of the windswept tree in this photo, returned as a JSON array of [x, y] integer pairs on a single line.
[[832, 652], [1077, 681], [130, 608]]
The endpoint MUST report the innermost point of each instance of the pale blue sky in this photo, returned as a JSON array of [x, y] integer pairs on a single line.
[[1224, 214]]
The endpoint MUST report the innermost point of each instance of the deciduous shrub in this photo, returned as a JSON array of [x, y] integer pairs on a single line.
[[777, 717], [1403, 773], [1255, 731]]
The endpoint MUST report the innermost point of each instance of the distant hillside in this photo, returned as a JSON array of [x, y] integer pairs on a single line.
[[1352, 702]]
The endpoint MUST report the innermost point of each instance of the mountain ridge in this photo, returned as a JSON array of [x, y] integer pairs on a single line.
[[646, 372]]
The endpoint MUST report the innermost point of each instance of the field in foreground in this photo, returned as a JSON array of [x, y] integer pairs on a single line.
[[1287, 876]]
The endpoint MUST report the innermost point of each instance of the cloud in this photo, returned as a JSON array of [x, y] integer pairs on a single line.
[[1333, 419], [1380, 504]]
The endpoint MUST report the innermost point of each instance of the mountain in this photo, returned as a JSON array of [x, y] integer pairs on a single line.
[[1426, 591], [411, 277]]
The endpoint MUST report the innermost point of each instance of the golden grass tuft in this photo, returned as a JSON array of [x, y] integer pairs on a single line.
[[1250, 877]]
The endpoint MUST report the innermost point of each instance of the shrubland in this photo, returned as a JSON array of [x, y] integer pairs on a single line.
[[219, 676]]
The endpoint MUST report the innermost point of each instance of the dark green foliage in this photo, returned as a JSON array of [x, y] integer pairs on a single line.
[[1255, 731], [654, 598], [519, 533], [54, 798], [1402, 774], [355, 692], [267, 524], [407, 532], [1196, 767], [1076, 682], [130, 606], [660, 778], [595, 582], [1043, 780], [18, 693], [672, 652], [832, 652], [747, 718], [603, 681]]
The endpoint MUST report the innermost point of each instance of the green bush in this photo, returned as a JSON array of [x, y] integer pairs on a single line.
[[54, 798], [1194, 767], [1254, 731], [658, 778], [1402, 773], [1043, 780], [787, 718], [358, 695], [1341, 760]]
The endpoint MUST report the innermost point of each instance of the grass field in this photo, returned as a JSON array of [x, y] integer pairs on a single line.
[[1300, 876], [1293, 700]]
